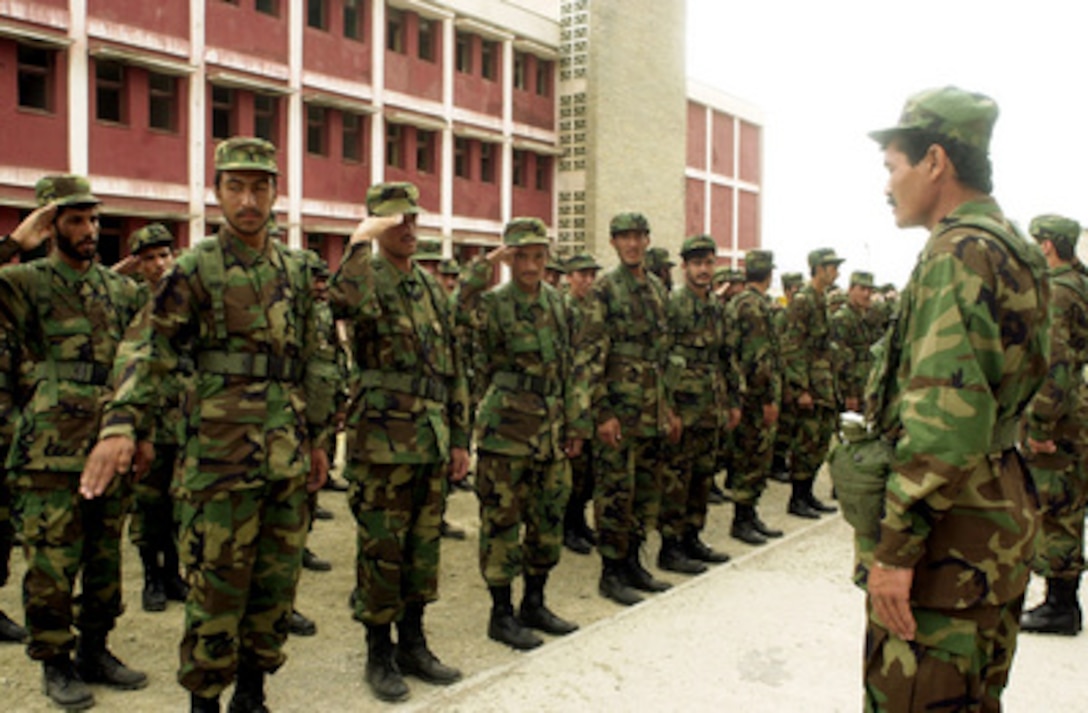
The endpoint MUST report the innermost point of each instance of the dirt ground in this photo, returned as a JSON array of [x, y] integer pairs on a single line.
[[325, 672]]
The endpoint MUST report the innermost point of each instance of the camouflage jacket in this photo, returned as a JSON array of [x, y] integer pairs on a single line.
[[412, 405], [257, 403], [755, 343], [630, 351], [853, 334], [967, 352], [534, 371], [65, 326], [806, 348], [1056, 398], [706, 385], [168, 418]]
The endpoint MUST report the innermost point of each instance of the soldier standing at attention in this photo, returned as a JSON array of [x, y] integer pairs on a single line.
[[632, 410], [787, 424], [241, 304], [754, 343], [64, 317], [809, 388], [704, 396], [658, 262], [1057, 436], [534, 415], [449, 272], [946, 580], [553, 272], [410, 428], [10, 632], [853, 333]]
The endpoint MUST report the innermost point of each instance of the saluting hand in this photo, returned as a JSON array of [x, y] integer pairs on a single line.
[[109, 457], [372, 226], [36, 228]]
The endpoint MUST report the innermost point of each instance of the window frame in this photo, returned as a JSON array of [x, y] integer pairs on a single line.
[[272, 115], [358, 23], [462, 167], [394, 145], [273, 11], [521, 71], [115, 85], [171, 102], [426, 143], [323, 10], [360, 136], [229, 106], [46, 74], [427, 37], [317, 119], [487, 162], [462, 59], [396, 30], [490, 51], [543, 77]]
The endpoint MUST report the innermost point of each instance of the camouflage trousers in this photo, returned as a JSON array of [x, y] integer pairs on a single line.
[[812, 439], [398, 511], [1061, 482], [581, 478], [724, 454], [627, 494], [7, 529], [153, 522], [516, 492], [958, 663], [243, 553], [754, 452], [785, 434], [64, 538], [685, 485]]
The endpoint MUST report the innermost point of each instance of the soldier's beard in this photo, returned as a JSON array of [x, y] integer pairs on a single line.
[[71, 248]]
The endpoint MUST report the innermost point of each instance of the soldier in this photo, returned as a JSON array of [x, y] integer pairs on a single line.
[[534, 416], [449, 271], [853, 334], [64, 317], [705, 400], [787, 424], [9, 359], [809, 387], [242, 306], [1057, 435], [947, 577], [553, 272], [632, 410], [581, 270], [658, 262], [409, 432], [755, 348]]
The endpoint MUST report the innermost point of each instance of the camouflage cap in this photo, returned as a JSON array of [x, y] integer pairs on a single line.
[[554, 265], [581, 261], [887, 287], [520, 232], [395, 198], [697, 243], [951, 112], [1061, 231], [721, 275], [824, 256], [151, 235], [658, 259], [428, 250], [756, 261], [792, 279], [623, 222], [864, 279], [449, 266], [65, 189], [736, 275], [246, 153]]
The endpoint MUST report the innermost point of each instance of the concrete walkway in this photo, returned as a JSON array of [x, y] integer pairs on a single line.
[[777, 630]]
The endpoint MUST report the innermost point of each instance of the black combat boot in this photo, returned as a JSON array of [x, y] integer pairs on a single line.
[[504, 626], [175, 586], [673, 558], [414, 657], [699, 551], [780, 470], [1059, 614], [799, 505], [314, 563], [762, 527], [153, 598], [96, 664], [534, 614], [744, 526], [248, 691], [298, 624], [814, 502], [637, 575], [382, 674], [62, 683], [200, 704], [12, 632], [613, 584], [574, 524]]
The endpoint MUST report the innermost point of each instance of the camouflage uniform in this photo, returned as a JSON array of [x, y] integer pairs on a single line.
[[786, 433], [9, 379], [853, 334], [967, 353]]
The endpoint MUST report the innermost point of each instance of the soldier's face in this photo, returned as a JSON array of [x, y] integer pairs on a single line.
[[399, 241], [77, 232], [449, 282], [581, 281], [630, 246], [154, 262], [911, 192], [552, 277], [246, 198], [527, 266], [861, 296], [431, 266], [699, 271]]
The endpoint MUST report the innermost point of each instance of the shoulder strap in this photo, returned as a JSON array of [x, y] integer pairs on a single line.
[[209, 265], [1074, 281], [1027, 253]]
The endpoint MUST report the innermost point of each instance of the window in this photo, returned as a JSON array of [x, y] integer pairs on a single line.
[[265, 117], [353, 136], [487, 162], [521, 62], [426, 39], [521, 168], [394, 145], [269, 7], [543, 78], [35, 78], [543, 173], [394, 31], [317, 118], [425, 145], [110, 91], [460, 158], [162, 101], [464, 53], [489, 60], [353, 20], [317, 14], [222, 112]]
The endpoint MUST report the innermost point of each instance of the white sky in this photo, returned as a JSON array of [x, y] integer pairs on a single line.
[[825, 72]]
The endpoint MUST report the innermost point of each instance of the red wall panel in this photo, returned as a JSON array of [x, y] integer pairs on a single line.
[[169, 18], [406, 72], [527, 200], [240, 28], [531, 108], [330, 52], [722, 149], [696, 136], [694, 216], [750, 139], [330, 177], [472, 91], [748, 220], [721, 215], [31, 137]]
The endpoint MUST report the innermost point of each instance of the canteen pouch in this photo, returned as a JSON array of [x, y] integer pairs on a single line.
[[860, 465]]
